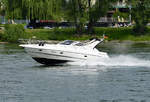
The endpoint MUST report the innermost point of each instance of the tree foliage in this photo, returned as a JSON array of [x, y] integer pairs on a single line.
[[33, 9], [87, 12], [140, 14], [97, 10], [81, 12], [76, 11]]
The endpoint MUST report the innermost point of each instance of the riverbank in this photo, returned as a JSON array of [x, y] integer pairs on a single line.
[[114, 34], [15, 32], [3, 42]]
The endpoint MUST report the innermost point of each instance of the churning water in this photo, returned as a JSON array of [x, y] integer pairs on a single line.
[[120, 60], [124, 77]]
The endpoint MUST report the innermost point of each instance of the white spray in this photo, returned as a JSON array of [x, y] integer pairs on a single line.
[[121, 60]]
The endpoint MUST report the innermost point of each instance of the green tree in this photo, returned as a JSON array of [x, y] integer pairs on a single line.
[[2, 9], [140, 14], [33, 9], [97, 10], [76, 11], [87, 12], [12, 8]]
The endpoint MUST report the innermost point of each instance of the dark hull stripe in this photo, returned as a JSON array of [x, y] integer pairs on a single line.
[[49, 61]]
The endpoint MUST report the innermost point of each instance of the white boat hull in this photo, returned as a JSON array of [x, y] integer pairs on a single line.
[[49, 57]]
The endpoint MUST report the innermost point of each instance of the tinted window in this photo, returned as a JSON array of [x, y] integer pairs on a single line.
[[68, 42]]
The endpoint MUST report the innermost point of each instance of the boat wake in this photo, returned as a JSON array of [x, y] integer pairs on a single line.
[[121, 60]]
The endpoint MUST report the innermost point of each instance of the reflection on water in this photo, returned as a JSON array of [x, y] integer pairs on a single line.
[[125, 77]]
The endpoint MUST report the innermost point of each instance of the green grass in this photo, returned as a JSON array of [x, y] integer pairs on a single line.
[[115, 33], [120, 34], [57, 34], [50, 34], [2, 25], [139, 38]]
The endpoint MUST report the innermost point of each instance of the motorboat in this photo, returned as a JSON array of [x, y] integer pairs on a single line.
[[65, 51]]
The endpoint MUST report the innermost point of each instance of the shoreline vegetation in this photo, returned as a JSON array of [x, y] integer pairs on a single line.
[[12, 33], [83, 15]]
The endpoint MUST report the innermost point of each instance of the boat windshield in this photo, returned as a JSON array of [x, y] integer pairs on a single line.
[[70, 42], [79, 44], [67, 42]]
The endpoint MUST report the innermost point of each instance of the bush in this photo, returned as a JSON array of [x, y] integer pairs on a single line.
[[13, 32], [69, 33], [140, 29]]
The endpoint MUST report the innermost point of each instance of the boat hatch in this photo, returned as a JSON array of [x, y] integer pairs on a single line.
[[70, 42], [79, 44], [66, 42]]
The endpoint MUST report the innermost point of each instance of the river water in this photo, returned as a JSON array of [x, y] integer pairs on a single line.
[[125, 77]]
